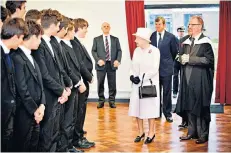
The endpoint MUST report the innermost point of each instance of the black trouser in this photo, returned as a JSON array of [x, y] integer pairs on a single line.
[[67, 122], [50, 127], [7, 121], [176, 71], [197, 126], [26, 132], [185, 118], [111, 77], [166, 83], [80, 115]]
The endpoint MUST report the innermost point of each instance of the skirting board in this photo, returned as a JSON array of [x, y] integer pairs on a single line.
[[214, 108]]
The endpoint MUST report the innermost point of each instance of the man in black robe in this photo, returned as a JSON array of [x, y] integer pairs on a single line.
[[197, 59]]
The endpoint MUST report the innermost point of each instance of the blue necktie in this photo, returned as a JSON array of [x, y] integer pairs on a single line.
[[8, 59]]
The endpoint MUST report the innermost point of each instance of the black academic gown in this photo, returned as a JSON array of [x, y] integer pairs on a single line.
[[197, 79]]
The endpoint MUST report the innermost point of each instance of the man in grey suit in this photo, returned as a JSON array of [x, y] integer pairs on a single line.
[[107, 54]]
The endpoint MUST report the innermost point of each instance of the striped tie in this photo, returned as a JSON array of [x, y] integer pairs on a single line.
[[107, 50]]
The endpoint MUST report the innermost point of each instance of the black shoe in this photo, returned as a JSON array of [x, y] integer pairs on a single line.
[[100, 105], [169, 119], [138, 138], [149, 140], [112, 105], [188, 137], [83, 145], [84, 139], [75, 150], [201, 140], [83, 132], [183, 125]]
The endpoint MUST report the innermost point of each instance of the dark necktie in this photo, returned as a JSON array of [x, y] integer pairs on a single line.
[[107, 50], [192, 44], [8, 59], [160, 40]]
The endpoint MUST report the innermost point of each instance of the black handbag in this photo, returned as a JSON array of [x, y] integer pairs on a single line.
[[147, 91]]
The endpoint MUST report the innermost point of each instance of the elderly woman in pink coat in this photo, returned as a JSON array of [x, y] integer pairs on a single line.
[[146, 61]]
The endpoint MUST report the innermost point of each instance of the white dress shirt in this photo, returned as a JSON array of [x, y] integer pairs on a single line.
[[109, 43], [67, 42], [5, 49], [158, 36], [197, 37], [58, 39], [27, 52], [47, 40]]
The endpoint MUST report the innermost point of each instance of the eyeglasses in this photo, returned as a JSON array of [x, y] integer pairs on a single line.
[[193, 24]]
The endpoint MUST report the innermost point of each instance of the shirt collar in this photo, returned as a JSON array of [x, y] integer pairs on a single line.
[[58, 39], [5, 49], [46, 38], [106, 35], [162, 33], [25, 50], [197, 36], [68, 42]]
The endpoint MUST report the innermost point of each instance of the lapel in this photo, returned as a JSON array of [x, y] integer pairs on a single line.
[[71, 54], [165, 36], [40, 81], [155, 39], [28, 64], [4, 60], [102, 42], [47, 48], [54, 42], [83, 48]]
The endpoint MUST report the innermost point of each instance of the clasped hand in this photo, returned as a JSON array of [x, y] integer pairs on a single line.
[[184, 59], [135, 80]]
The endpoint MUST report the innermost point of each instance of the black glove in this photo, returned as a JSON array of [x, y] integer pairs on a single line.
[[132, 78], [136, 80]]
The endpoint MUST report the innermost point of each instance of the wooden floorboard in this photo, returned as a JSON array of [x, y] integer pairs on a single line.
[[114, 131]]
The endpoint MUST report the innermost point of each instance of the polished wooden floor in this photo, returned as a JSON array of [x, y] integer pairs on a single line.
[[114, 131]]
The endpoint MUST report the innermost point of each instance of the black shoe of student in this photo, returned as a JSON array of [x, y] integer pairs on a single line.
[[149, 140], [83, 132], [84, 139], [100, 105], [201, 140], [188, 137], [83, 145], [139, 138], [169, 119], [75, 150], [183, 125], [112, 105]]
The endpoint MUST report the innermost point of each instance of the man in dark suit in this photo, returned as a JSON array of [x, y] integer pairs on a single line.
[[86, 67], [12, 34], [168, 46], [53, 82], [176, 70], [107, 54], [31, 99]]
